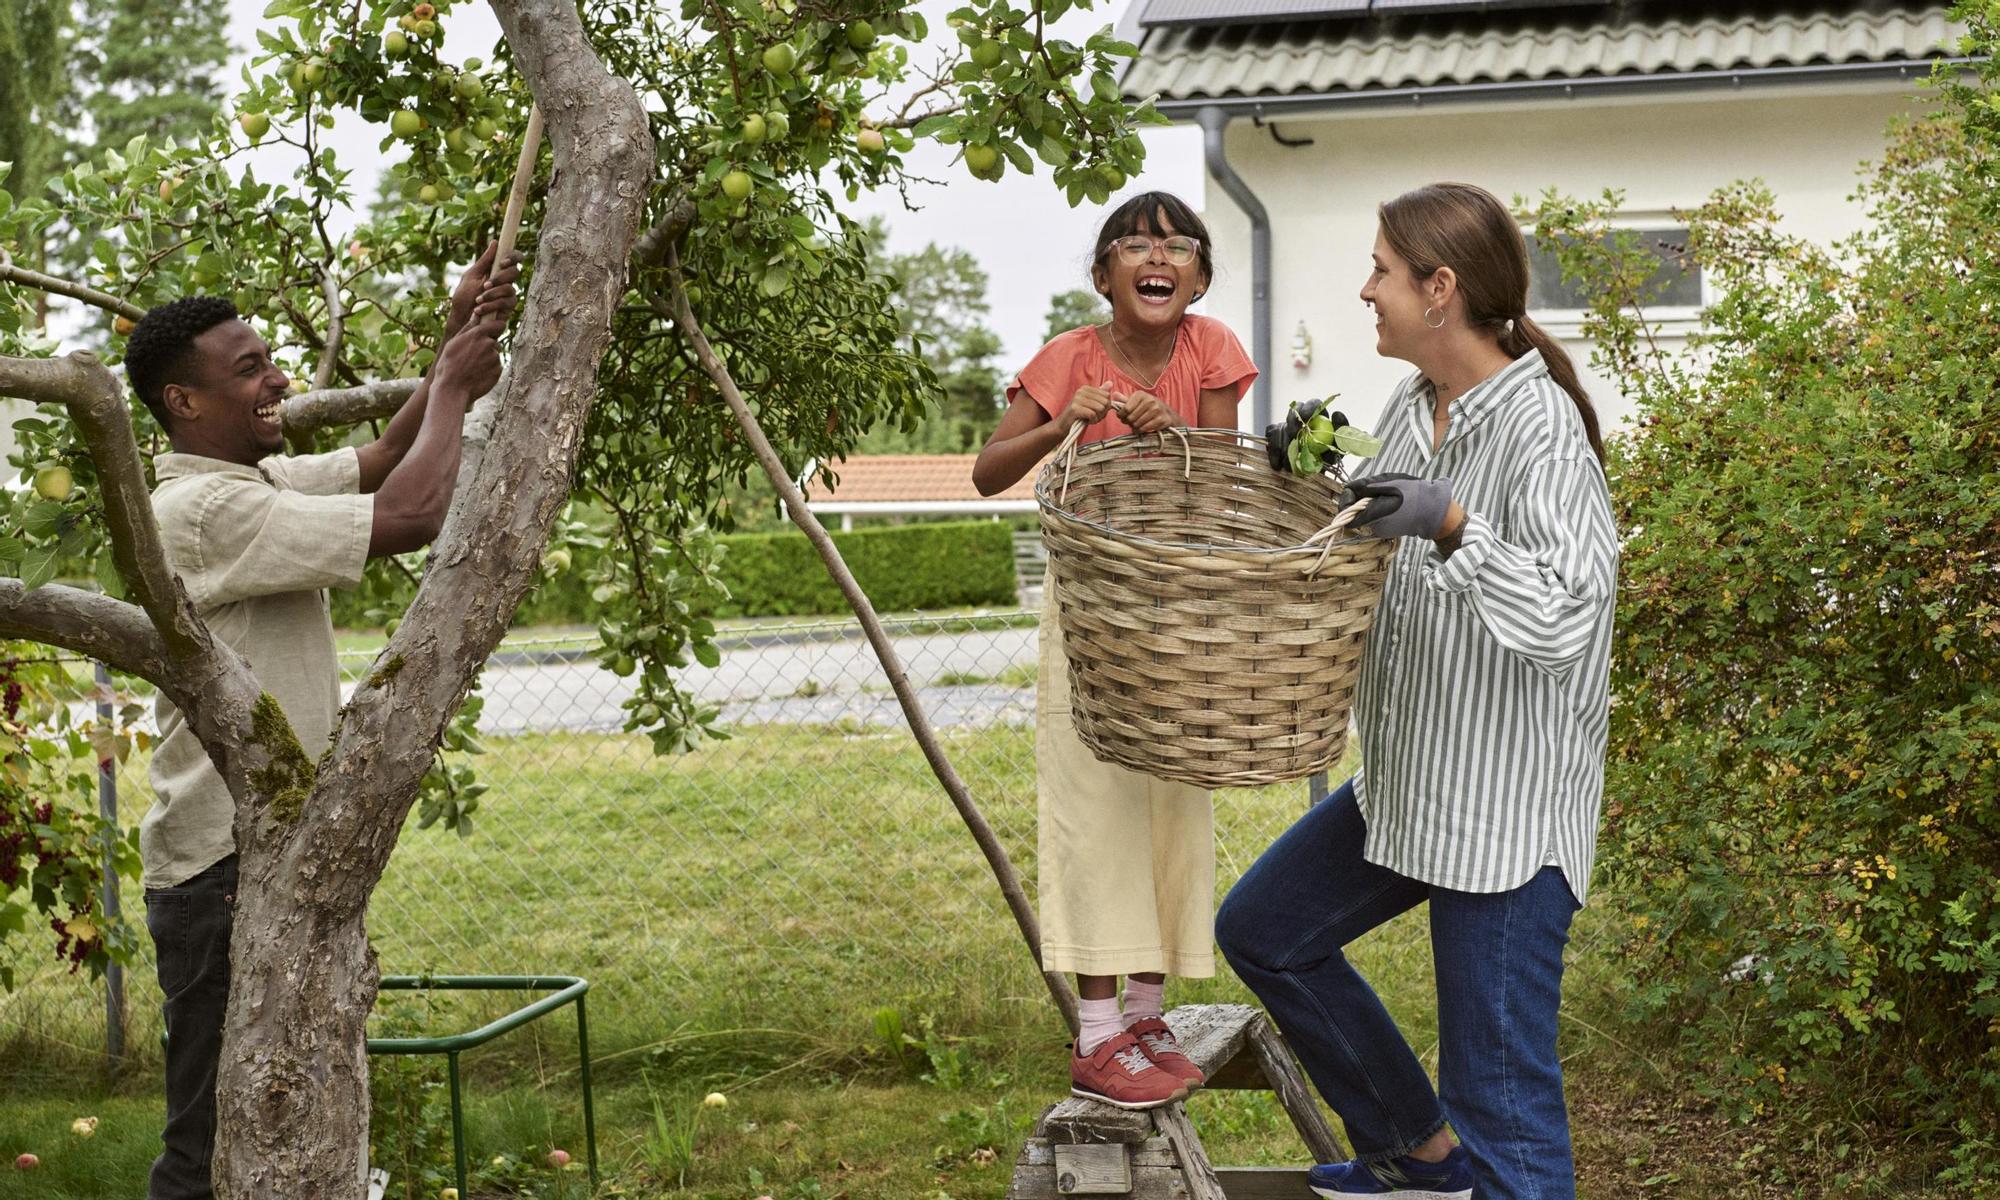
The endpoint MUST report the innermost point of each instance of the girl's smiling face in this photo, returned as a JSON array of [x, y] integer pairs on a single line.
[[1152, 275]]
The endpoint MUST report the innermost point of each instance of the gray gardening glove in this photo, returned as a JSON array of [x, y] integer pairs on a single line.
[[1400, 505]]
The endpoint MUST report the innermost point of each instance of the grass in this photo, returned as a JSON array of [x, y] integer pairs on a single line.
[[756, 918]]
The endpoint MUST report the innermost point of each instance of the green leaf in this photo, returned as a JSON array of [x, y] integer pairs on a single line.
[[1018, 157], [1357, 442], [43, 519], [38, 567], [930, 125]]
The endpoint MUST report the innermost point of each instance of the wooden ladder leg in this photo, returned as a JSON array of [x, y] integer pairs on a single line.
[[1202, 1181], [1281, 1071]]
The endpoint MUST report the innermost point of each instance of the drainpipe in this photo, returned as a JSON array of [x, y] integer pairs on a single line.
[[1213, 121]]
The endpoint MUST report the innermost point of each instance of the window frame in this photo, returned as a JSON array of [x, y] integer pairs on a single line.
[[1671, 319]]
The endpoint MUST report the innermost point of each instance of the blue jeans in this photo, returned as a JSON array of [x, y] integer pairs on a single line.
[[1498, 958]]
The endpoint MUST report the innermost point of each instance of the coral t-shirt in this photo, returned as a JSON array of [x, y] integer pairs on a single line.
[[1206, 355]]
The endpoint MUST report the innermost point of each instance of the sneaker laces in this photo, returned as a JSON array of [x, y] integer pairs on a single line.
[[1133, 1059], [1161, 1043]]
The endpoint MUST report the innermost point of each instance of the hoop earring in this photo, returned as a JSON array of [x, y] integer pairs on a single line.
[[1427, 319]]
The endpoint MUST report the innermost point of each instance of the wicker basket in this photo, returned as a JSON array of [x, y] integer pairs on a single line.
[[1212, 614]]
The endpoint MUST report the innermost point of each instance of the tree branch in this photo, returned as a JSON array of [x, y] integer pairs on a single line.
[[336, 317], [93, 625], [892, 665], [309, 412], [651, 249], [63, 287]]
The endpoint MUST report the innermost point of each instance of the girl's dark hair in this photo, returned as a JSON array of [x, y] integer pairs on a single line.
[[1149, 213], [1466, 228]]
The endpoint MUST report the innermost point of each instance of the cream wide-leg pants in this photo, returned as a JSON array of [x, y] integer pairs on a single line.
[[1126, 861]]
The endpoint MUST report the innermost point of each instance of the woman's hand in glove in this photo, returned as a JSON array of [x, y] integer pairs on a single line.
[[1401, 505]]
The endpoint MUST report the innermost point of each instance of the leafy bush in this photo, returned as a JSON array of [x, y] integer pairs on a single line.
[[902, 568], [1803, 793]]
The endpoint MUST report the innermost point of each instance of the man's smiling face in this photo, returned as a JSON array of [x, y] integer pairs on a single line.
[[229, 407]]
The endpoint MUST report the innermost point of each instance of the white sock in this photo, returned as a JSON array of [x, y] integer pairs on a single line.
[[1099, 1019], [1143, 1000]]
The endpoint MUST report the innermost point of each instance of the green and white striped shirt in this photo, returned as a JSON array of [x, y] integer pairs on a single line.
[[1485, 688]]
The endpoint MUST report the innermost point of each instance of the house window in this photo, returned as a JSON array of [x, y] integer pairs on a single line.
[[1675, 285]]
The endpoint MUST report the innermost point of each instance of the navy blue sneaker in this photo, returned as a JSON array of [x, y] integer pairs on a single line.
[[1402, 1178]]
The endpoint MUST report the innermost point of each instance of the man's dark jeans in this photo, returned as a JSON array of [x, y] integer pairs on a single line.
[[190, 926]]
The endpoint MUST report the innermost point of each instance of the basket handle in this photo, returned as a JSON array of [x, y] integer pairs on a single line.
[[1324, 539], [1067, 450]]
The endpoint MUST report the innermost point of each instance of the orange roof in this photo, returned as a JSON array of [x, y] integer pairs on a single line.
[[893, 478]]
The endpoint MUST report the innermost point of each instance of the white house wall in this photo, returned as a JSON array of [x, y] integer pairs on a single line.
[[1664, 153]]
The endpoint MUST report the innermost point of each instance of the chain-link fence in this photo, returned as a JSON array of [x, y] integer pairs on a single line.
[[810, 855]]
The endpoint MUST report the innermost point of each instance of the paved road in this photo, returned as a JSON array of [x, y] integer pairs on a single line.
[[816, 675], [780, 680]]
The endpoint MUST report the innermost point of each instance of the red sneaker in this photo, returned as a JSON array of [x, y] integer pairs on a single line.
[[1164, 1049], [1119, 1073]]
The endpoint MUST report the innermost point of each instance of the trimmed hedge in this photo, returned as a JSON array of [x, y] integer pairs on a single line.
[[903, 568]]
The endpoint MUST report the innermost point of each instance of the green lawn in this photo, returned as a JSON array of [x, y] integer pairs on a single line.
[[757, 918]]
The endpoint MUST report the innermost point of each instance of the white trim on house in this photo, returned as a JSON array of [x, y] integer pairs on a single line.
[[847, 510]]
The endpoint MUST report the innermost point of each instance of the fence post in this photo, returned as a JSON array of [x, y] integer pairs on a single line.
[[107, 807], [1316, 788]]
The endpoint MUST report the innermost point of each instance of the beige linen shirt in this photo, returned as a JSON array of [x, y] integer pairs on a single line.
[[255, 547]]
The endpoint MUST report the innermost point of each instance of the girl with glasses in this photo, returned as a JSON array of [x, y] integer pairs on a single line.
[[1127, 862]]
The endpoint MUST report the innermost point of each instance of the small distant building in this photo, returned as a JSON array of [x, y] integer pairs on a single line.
[[913, 485], [931, 485]]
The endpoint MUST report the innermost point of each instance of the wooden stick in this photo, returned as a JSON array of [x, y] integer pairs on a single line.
[[524, 178], [1011, 888]]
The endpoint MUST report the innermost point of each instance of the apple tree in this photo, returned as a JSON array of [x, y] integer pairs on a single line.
[[697, 306]]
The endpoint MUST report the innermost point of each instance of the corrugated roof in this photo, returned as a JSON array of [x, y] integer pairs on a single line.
[[1343, 57], [910, 478]]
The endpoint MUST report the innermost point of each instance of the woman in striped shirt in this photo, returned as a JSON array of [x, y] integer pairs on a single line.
[[1481, 712]]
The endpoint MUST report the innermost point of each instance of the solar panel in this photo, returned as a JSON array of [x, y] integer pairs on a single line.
[[1240, 12], [1400, 7], [1253, 12]]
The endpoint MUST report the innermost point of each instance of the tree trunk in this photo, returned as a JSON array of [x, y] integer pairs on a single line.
[[292, 1096]]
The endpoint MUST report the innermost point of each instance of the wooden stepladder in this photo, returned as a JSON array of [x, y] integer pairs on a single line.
[[1084, 1148]]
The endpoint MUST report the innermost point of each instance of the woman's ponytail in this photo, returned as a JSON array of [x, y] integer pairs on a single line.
[[1468, 229], [1521, 335]]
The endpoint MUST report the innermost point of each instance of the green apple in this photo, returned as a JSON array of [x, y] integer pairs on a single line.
[[981, 158], [1113, 177], [987, 54], [406, 124], [469, 87], [777, 126], [314, 71], [737, 184], [860, 35], [458, 139], [780, 59], [870, 141], [255, 125], [52, 481], [395, 43], [426, 29], [486, 129], [429, 193], [753, 128]]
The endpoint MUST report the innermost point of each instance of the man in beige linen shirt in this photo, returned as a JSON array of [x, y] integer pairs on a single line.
[[256, 538]]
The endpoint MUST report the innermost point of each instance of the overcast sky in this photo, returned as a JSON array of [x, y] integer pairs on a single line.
[[1031, 243]]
